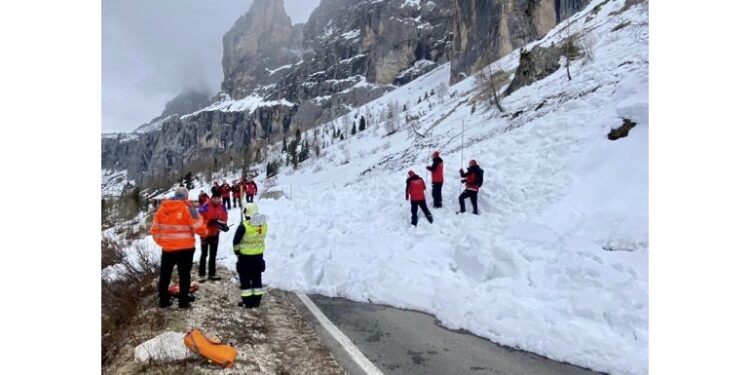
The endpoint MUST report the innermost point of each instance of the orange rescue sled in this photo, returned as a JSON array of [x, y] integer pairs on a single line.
[[210, 348]]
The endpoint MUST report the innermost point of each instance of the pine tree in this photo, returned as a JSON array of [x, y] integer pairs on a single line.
[[341, 137], [272, 168], [404, 109], [361, 123], [284, 149], [298, 136], [305, 152], [292, 154], [354, 128], [420, 100]]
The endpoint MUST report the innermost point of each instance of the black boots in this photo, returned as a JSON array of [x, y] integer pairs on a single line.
[[183, 304], [250, 302]]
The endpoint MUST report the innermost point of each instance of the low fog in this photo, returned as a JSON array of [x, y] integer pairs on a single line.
[[154, 50]]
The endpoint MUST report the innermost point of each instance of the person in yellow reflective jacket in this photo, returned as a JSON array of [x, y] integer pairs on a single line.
[[249, 245]]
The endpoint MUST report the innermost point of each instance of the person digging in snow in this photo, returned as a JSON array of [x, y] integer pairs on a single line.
[[249, 245], [437, 179], [175, 225], [215, 214], [472, 179], [415, 188]]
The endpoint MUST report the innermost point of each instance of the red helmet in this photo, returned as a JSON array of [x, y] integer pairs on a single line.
[[411, 173], [436, 154], [472, 162]]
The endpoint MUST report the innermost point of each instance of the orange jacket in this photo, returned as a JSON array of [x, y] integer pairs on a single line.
[[175, 225]]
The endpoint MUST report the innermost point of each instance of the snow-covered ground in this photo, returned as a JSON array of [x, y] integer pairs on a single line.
[[114, 181], [557, 261]]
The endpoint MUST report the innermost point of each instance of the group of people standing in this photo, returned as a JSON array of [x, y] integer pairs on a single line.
[[177, 221], [235, 191], [472, 179], [175, 225]]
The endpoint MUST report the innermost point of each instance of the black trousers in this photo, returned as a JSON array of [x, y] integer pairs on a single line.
[[235, 201], [472, 195], [209, 247], [437, 194], [183, 259], [250, 268], [425, 210], [227, 203]]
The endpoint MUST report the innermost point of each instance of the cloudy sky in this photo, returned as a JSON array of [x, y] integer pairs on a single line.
[[154, 49]]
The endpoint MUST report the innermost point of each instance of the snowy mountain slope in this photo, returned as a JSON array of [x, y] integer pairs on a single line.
[[557, 261]]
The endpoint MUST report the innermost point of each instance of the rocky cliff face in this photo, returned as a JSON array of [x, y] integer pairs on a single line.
[[355, 50], [485, 30], [261, 39], [279, 76]]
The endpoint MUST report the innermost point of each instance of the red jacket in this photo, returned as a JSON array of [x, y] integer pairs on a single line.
[[236, 190], [437, 169], [210, 214], [471, 178], [251, 188], [415, 188], [225, 189]]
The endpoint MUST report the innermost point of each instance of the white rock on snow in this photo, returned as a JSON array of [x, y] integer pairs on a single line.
[[167, 347]]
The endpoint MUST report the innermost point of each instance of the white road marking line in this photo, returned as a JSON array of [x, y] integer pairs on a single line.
[[347, 344]]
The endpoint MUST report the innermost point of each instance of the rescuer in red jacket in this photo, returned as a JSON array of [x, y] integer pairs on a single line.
[[472, 179], [225, 191], [437, 179], [215, 216], [250, 190], [236, 190], [415, 188]]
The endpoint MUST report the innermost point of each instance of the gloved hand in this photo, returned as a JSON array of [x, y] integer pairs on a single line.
[[463, 180], [462, 170], [223, 227]]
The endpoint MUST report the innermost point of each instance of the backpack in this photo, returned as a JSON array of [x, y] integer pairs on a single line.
[[174, 289], [210, 348], [480, 176]]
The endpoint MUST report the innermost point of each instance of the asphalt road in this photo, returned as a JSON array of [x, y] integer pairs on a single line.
[[409, 342]]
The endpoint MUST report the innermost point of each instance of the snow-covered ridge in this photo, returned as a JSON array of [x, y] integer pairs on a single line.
[[246, 104], [156, 125], [274, 71]]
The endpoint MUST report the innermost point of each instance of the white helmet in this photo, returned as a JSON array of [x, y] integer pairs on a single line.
[[253, 213], [251, 209]]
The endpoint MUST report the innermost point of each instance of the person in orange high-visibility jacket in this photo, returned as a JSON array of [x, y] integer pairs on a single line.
[[175, 225]]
